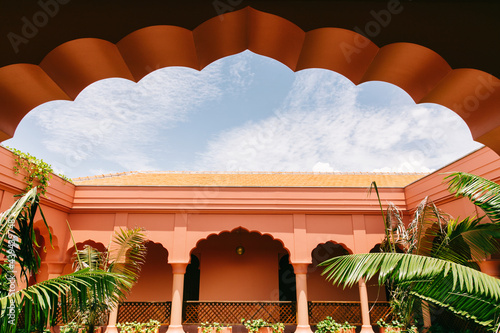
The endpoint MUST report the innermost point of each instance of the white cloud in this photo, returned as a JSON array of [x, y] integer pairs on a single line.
[[322, 167], [320, 125], [324, 123], [116, 120]]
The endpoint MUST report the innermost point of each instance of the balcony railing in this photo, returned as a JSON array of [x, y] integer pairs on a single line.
[[346, 311], [144, 311], [231, 313]]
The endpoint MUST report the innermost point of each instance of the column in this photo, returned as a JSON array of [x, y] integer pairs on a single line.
[[113, 318], [302, 308], [178, 269], [365, 312]]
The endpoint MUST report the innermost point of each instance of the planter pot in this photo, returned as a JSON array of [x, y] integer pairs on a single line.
[[223, 330], [389, 329], [265, 330], [347, 330], [491, 267], [394, 330]]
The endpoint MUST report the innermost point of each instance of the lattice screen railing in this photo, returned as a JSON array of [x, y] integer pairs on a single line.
[[380, 310], [339, 311], [231, 313], [144, 311], [346, 311]]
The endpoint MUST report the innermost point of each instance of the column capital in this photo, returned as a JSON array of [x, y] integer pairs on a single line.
[[55, 267], [300, 268], [179, 267]]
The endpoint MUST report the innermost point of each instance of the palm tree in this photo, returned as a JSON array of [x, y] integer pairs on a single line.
[[39, 301], [438, 263], [124, 256]]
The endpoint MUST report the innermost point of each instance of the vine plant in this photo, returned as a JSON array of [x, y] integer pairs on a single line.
[[36, 170]]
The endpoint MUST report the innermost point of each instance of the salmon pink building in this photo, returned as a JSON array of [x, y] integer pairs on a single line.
[[227, 246], [247, 244]]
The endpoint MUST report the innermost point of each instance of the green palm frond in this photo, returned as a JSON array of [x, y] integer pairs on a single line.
[[127, 252], [463, 290], [468, 242], [88, 257], [41, 299], [16, 225], [480, 191]]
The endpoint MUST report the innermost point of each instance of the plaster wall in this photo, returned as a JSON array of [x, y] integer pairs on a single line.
[[155, 281], [225, 275]]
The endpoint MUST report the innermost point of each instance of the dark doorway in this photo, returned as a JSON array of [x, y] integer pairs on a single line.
[[192, 280], [287, 280]]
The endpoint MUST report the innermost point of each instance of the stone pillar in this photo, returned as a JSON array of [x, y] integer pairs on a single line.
[[365, 312], [178, 269], [55, 269], [302, 308], [113, 318]]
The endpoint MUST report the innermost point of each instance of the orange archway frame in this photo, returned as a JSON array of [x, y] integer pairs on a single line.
[[421, 72]]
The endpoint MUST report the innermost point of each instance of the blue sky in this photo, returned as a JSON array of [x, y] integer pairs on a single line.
[[242, 113]]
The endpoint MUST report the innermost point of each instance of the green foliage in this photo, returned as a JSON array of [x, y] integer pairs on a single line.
[[37, 172], [150, 327], [65, 178], [40, 300], [482, 192], [208, 327], [70, 328], [124, 257], [436, 234], [328, 325], [396, 326], [253, 325], [460, 289]]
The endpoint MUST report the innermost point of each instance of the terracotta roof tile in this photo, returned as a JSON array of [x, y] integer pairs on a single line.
[[251, 179]]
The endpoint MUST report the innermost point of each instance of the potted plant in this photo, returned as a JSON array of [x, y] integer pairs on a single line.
[[347, 328], [262, 326], [72, 327], [214, 328], [152, 326], [395, 326], [126, 327], [328, 325]]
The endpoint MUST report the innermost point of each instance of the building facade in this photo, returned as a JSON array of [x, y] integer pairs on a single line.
[[225, 246]]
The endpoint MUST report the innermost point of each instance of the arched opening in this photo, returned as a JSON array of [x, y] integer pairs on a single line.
[[424, 74], [155, 280], [239, 277], [228, 275], [326, 299], [151, 296], [318, 288]]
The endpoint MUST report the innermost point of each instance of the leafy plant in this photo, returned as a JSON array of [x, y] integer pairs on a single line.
[[40, 300], [131, 327], [124, 257], [208, 327], [36, 170], [254, 325], [71, 327], [447, 246], [328, 325], [347, 326]]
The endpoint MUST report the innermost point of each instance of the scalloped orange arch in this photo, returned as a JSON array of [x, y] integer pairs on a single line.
[[421, 72], [239, 228]]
